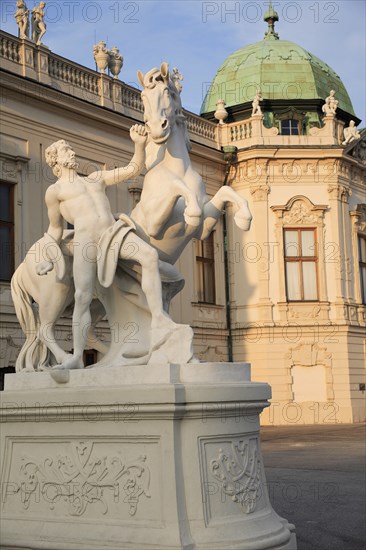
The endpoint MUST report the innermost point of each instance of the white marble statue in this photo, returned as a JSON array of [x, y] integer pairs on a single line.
[[350, 134], [176, 77], [122, 271], [256, 110], [331, 104], [22, 18], [82, 202], [38, 24]]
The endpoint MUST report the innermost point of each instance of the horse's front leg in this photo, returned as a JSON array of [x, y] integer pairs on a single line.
[[192, 211], [212, 210]]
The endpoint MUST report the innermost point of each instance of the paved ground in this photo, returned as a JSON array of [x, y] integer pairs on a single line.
[[316, 479]]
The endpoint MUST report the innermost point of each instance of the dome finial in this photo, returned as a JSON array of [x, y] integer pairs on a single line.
[[271, 17]]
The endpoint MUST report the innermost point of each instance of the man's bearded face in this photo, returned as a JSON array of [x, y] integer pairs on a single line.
[[66, 157]]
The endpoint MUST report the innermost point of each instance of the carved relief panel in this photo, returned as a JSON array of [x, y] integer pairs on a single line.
[[232, 477], [115, 478]]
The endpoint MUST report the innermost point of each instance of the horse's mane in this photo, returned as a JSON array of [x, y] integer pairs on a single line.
[[151, 79]]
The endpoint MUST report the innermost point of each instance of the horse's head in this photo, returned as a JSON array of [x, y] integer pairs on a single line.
[[162, 104]]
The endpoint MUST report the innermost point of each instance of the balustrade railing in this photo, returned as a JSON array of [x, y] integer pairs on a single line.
[[77, 76], [240, 131], [10, 49], [64, 71]]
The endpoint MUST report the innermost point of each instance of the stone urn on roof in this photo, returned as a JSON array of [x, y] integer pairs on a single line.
[[115, 62], [101, 56]]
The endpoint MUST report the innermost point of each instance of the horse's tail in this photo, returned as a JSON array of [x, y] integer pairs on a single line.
[[33, 351]]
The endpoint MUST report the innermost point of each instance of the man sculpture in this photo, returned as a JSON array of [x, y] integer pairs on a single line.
[[331, 104], [82, 201], [22, 19], [350, 133], [38, 24], [256, 110]]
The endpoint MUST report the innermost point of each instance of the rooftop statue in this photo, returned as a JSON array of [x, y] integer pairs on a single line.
[[124, 268], [38, 24], [256, 110], [22, 19], [350, 133], [331, 104], [176, 77]]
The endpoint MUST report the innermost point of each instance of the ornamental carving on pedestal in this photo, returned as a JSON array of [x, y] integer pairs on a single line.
[[238, 471], [81, 478]]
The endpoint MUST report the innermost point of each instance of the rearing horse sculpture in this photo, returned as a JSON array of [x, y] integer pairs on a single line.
[[174, 206]]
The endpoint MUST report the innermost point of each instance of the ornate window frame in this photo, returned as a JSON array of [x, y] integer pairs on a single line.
[[290, 114], [301, 213], [358, 218]]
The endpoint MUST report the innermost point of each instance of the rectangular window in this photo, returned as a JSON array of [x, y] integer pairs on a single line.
[[301, 265], [6, 231], [205, 270], [289, 127], [362, 257]]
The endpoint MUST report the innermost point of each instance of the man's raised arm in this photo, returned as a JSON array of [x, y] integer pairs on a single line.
[[134, 168]]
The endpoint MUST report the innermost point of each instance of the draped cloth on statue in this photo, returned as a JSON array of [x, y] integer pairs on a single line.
[[109, 246], [119, 289]]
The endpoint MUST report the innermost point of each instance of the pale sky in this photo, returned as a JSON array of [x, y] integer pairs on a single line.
[[197, 36]]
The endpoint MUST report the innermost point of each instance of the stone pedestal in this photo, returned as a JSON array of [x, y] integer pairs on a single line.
[[150, 457]]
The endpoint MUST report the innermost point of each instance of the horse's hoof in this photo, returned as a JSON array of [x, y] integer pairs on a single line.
[[242, 223], [192, 220], [60, 376]]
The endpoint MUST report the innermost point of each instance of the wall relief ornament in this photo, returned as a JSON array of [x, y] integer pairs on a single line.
[[211, 353], [238, 471], [309, 354], [359, 217], [299, 214], [340, 192], [82, 478], [358, 150], [299, 312], [260, 192], [300, 210]]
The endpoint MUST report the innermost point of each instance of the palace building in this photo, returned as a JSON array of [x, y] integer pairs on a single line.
[[277, 124]]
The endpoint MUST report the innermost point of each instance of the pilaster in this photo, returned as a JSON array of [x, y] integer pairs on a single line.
[[27, 58], [338, 197], [260, 213]]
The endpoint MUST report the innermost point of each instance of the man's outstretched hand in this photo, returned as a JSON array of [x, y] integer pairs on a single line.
[[138, 134]]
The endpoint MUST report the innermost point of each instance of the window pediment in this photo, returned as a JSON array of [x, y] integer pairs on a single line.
[[300, 210]]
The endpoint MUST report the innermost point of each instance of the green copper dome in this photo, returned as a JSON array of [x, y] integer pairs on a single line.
[[281, 70]]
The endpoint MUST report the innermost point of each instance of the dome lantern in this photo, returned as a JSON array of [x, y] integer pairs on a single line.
[[270, 17]]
